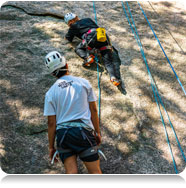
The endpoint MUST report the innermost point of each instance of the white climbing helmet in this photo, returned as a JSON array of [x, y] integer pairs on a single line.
[[54, 60], [69, 16]]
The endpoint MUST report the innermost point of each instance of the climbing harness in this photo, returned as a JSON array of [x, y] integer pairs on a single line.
[[162, 49], [154, 88], [93, 51], [88, 33], [100, 34], [90, 151], [86, 153], [102, 48]]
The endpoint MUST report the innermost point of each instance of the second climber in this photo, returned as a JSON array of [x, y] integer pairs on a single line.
[[93, 37]]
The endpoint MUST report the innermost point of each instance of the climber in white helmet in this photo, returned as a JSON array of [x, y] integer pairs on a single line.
[[89, 32], [70, 105]]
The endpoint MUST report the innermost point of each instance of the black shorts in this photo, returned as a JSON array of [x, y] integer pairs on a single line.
[[74, 141]]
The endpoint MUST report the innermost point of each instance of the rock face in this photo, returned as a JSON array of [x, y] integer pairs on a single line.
[[133, 136]]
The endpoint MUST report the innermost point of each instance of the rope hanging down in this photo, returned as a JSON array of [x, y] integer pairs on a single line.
[[152, 81], [99, 101], [155, 91], [162, 49], [166, 111], [161, 102], [96, 59]]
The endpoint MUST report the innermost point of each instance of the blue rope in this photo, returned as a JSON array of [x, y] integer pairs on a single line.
[[162, 49], [95, 12], [152, 81], [96, 59], [159, 96], [179, 145], [167, 137]]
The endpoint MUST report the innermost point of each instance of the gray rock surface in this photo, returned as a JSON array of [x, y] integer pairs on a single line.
[[133, 137]]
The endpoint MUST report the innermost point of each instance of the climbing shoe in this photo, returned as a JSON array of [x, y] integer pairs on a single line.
[[122, 89], [115, 81], [89, 60]]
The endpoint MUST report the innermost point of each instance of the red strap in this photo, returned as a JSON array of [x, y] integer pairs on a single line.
[[89, 48], [106, 48], [103, 48]]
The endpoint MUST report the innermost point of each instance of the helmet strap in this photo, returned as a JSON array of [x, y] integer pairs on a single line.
[[56, 72]]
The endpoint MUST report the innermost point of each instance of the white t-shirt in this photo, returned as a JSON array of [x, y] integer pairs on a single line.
[[69, 99]]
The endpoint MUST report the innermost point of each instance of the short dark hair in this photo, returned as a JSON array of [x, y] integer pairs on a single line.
[[60, 72]]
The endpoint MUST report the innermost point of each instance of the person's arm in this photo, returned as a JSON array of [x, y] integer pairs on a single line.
[[95, 120], [51, 134], [70, 35]]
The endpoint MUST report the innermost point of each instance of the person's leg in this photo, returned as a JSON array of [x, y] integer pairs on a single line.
[[93, 167], [107, 60], [110, 67], [70, 165], [89, 155], [81, 50], [117, 63]]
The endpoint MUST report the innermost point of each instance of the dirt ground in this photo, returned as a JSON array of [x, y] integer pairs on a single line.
[[133, 136]]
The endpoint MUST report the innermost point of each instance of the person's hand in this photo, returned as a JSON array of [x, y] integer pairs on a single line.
[[51, 153], [98, 138]]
